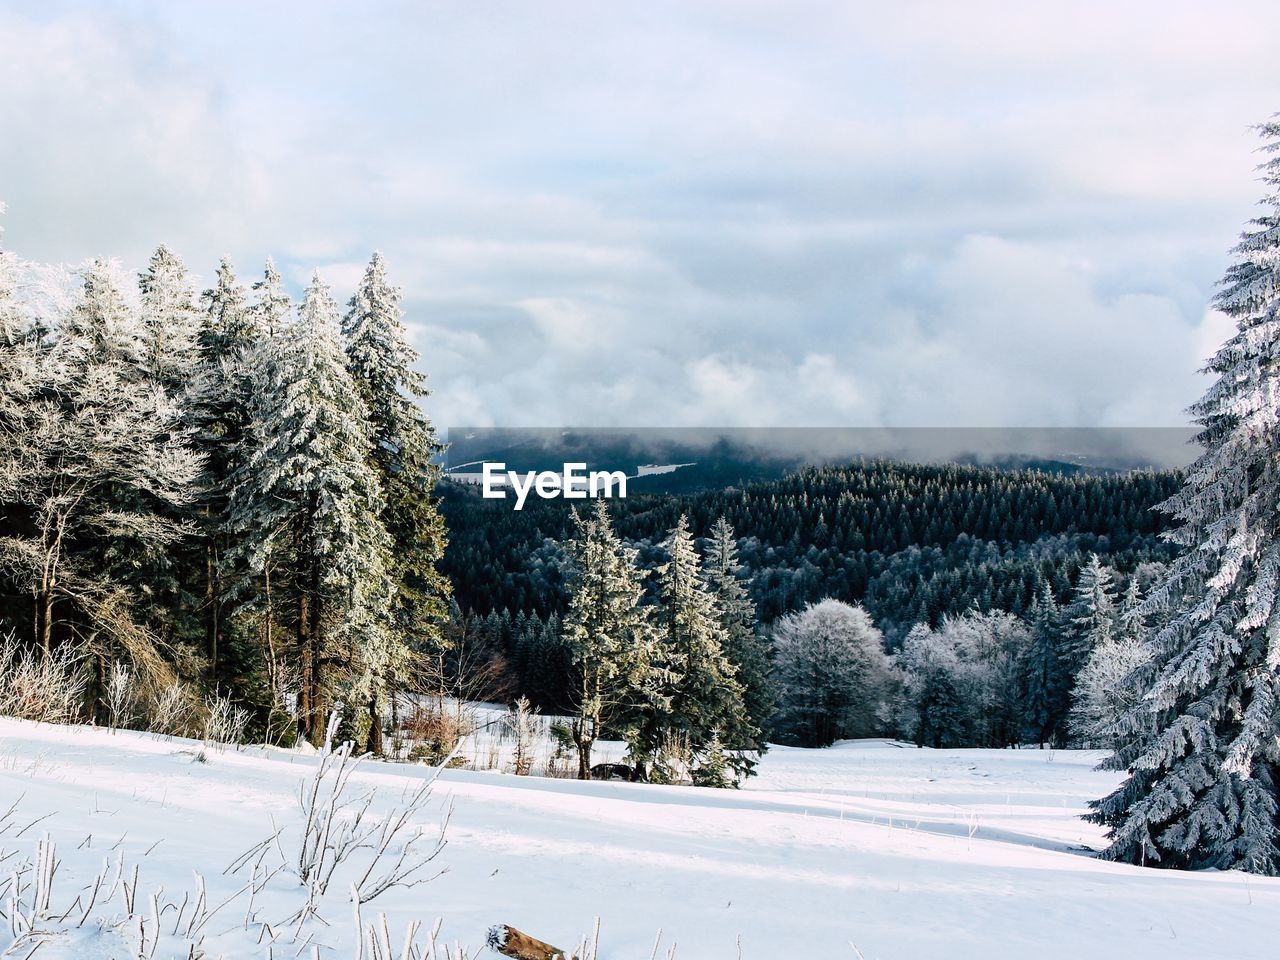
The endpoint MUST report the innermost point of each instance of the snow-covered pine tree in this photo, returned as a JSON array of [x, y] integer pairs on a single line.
[[1202, 791], [218, 403], [272, 308], [702, 694], [26, 414], [1044, 686], [713, 767], [607, 632], [746, 649], [403, 441], [307, 490], [170, 321], [228, 325], [101, 331], [13, 325], [1092, 614]]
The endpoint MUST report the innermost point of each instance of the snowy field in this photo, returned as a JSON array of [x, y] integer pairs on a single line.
[[868, 849]]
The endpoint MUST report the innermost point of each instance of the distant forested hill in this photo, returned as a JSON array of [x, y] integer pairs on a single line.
[[910, 542]]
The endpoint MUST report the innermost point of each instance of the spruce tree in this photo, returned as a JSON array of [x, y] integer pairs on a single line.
[[606, 630], [306, 490], [402, 444], [170, 321], [1044, 683], [702, 694], [272, 307], [713, 768], [746, 649], [218, 408], [228, 326], [1202, 791], [101, 331], [1092, 614]]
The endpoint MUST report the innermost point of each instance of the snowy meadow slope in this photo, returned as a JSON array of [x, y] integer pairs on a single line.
[[867, 849]]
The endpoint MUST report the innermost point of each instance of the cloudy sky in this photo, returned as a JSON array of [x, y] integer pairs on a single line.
[[709, 213]]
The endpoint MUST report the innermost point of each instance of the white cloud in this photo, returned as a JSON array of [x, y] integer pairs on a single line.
[[734, 213]]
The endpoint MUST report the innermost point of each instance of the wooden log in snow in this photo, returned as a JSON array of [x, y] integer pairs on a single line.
[[511, 942]]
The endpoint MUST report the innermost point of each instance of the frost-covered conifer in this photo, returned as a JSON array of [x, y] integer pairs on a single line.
[[101, 331], [746, 648], [218, 402], [228, 325], [170, 321], [307, 489], [932, 714], [272, 307], [402, 443], [104, 475], [701, 693], [1092, 615], [607, 632], [1201, 792], [1044, 685]]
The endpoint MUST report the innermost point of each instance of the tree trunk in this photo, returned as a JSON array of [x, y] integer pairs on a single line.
[[211, 611], [583, 743], [44, 620], [304, 652], [318, 719], [375, 727]]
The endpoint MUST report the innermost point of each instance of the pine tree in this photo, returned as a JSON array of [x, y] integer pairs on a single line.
[[1201, 792], [228, 326], [713, 767], [1091, 617], [14, 326], [746, 649], [403, 442], [170, 321], [272, 307], [101, 331], [306, 489], [1044, 683], [606, 630], [218, 404], [700, 694]]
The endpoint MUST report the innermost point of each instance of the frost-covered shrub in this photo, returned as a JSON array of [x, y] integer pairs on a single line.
[[224, 722], [40, 685], [168, 709], [118, 696], [522, 724]]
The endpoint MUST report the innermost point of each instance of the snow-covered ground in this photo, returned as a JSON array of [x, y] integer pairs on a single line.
[[868, 849]]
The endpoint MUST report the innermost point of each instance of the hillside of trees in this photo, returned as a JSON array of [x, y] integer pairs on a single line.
[[911, 543]]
